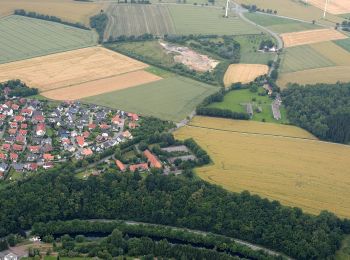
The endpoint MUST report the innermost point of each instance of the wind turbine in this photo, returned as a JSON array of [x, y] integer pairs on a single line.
[[325, 9], [226, 11]]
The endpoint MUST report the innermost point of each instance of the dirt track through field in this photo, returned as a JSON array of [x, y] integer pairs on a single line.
[[69, 68], [334, 6], [312, 36], [244, 73], [97, 87]]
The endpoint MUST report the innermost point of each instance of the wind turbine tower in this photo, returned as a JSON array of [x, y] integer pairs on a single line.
[[226, 10], [325, 9]]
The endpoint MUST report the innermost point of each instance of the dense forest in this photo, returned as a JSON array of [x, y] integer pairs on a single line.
[[322, 109], [169, 200], [58, 231]]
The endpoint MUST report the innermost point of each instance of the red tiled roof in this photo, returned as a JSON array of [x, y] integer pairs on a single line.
[[17, 147], [12, 131], [87, 152], [2, 116], [39, 118], [34, 149], [13, 124], [20, 138], [133, 116], [141, 166], [23, 132], [86, 134], [32, 166], [104, 126], [92, 126], [48, 157], [120, 165], [26, 111], [116, 119], [40, 127], [24, 126], [80, 140], [3, 156], [19, 118], [15, 107], [152, 159], [6, 147], [13, 156]]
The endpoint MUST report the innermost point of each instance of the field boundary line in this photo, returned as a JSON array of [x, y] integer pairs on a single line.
[[262, 134]]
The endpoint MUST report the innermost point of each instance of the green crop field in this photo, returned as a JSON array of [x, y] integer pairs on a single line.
[[138, 19], [23, 38], [280, 25], [235, 100], [152, 51], [302, 58], [172, 98], [345, 44], [204, 20], [344, 252]]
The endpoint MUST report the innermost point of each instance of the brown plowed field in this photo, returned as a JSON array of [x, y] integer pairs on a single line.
[[69, 68], [97, 87], [334, 6], [309, 37], [244, 73]]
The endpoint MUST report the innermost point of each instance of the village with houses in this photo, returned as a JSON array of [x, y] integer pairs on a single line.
[[37, 135]]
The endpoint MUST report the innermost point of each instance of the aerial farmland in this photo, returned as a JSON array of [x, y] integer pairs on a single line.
[[274, 162]]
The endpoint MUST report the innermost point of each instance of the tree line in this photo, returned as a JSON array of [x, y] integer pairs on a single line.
[[16, 88], [322, 109], [169, 200], [50, 18], [99, 23]]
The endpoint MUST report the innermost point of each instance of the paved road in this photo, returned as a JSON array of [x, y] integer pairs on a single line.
[[238, 241]]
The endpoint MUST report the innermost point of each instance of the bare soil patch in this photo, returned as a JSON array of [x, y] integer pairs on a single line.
[[93, 88], [312, 36], [244, 73], [69, 68]]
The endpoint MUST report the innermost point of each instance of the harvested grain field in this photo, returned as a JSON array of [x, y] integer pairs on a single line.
[[69, 10], [329, 75], [101, 86], [334, 6], [69, 68], [136, 20], [305, 173], [309, 37], [244, 73]]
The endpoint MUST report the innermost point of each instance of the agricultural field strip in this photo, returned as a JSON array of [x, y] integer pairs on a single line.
[[49, 31], [261, 134], [138, 19], [311, 36], [70, 68], [24, 38], [334, 6], [303, 57]]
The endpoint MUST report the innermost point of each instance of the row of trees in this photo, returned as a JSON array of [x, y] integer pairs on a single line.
[[99, 23], [322, 109], [169, 200], [49, 18], [176, 236]]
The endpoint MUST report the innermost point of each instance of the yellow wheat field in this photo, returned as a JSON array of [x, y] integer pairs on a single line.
[[69, 68], [334, 6], [68, 10], [306, 173], [333, 52], [329, 75], [312, 36], [244, 73]]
